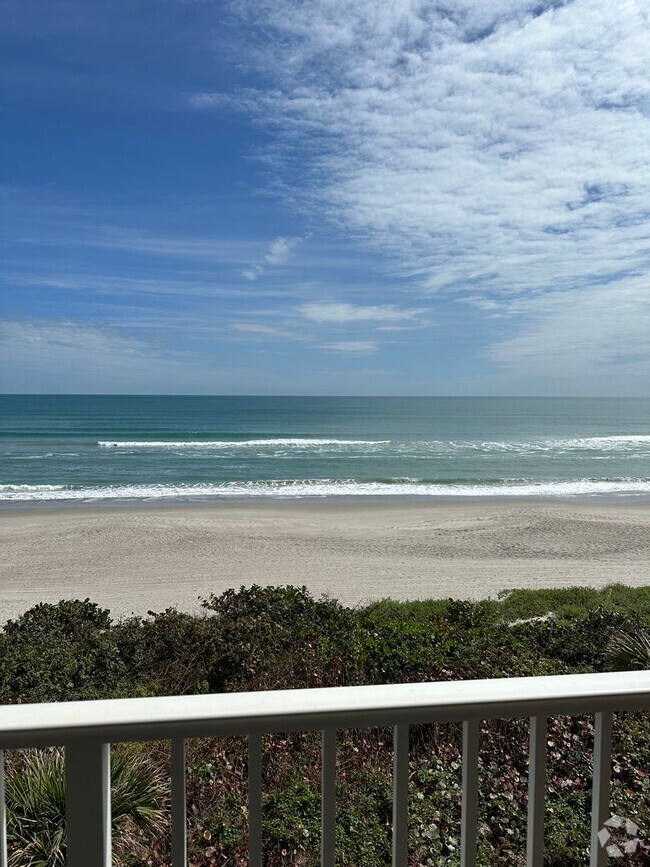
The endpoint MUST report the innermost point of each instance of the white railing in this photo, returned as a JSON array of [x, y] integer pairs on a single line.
[[86, 730]]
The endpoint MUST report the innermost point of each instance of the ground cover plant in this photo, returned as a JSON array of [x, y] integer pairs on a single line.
[[269, 638]]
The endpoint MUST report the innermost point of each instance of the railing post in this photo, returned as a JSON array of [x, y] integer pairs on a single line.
[[469, 806], [88, 804], [400, 795], [328, 798], [536, 792], [601, 785], [3, 812], [179, 804], [255, 801]]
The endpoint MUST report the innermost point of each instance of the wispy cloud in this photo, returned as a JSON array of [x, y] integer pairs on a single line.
[[253, 272], [280, 249], [71, 356], [277, 253], [101, 284], [352, 347], [261, 329], [584, 329], [495, 150], [68, 356], [341, 312], [74, 230], [53, 340]]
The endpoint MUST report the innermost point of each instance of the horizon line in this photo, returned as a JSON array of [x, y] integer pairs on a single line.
[[331, 396]]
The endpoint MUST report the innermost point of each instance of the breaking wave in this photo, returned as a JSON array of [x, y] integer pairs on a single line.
[[233, 444], [319, 488]]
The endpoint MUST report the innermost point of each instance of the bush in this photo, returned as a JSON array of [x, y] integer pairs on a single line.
[[60, 652]]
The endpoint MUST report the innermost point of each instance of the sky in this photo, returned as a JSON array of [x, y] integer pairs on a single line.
[[325, 197]]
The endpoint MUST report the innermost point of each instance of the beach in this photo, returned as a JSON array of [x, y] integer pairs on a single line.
[[136, 558]]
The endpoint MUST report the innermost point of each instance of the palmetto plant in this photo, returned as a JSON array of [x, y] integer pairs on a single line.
[[35, 797], [630, 651]]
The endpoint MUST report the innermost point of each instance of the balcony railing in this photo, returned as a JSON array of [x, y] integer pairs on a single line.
[[86, 730]]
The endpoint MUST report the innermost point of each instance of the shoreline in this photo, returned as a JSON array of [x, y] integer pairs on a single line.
[[133, 558], [216, 501]]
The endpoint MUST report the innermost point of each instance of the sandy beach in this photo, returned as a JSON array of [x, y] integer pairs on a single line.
[[133, 559]]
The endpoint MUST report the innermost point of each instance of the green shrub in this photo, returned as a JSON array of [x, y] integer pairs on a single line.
[[60, 652]]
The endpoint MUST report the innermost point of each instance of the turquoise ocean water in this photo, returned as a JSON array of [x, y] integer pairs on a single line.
[[92, 448]]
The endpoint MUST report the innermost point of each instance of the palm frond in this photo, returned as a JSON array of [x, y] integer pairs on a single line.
[[630, 651], [35, 800]]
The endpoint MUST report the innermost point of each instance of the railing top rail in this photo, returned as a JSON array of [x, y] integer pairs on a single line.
[[303, 709]]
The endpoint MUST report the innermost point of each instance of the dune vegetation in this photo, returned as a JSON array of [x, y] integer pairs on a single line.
[[281, 637]]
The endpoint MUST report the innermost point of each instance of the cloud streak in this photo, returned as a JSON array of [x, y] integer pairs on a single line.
[[351, 347], [341, 313]]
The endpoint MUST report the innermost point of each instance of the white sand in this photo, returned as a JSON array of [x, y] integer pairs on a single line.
[[132, 559]]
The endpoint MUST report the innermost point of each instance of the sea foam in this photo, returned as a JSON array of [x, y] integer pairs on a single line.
[[233, 444], [319, 488]]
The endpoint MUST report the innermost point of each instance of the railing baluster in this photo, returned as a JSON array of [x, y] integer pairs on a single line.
[[400, 795], [3, 813], [179, 804], [88, 804], [255, 800], [536, 792], [469, 817], [601, 785], [328, 798]]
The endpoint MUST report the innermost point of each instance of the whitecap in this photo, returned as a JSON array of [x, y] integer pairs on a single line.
[[282, 488], [234, 444]]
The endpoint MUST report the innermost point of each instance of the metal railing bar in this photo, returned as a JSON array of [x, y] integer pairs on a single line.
[[536, 792], [255, 800], [400, 795], [115, 720], [3, 813], [328, 798], [179, 803], [87, 757], [600, 804], [469, 809], [88, 804]]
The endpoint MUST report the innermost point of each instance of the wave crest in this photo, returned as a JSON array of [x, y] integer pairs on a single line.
[[319, 488], [233, 444]]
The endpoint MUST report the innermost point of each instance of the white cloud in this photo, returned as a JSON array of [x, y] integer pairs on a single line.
[[253, 272], [277, 253], [580, 333], [260, 329], [342, 312], [354, 347], [497, 151], [280, 249]]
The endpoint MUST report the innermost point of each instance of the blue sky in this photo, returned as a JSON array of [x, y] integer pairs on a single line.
[[332, 197]]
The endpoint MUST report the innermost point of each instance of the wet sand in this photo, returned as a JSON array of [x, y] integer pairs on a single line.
[[135, 558]]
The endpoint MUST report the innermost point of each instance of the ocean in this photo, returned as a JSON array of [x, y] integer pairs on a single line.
[[124, 448]]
